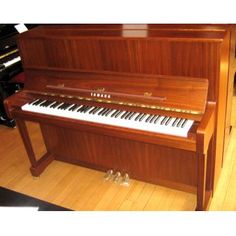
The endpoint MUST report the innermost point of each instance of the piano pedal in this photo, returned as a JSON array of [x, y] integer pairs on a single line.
[[126, 180], [108, 175], [117, 177], [36, 177]]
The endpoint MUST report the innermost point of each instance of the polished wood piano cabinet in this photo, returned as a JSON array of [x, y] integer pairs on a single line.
[[54, 57]]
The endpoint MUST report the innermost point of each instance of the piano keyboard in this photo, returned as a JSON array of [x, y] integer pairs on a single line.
[[128, 119]]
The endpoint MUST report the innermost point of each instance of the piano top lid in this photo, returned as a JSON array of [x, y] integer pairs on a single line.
[[127, 31]]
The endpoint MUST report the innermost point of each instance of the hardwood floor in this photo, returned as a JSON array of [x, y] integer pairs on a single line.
[[80, 188]]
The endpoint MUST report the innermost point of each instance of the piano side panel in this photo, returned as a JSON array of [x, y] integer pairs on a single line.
[[152, 163], [232, 74]]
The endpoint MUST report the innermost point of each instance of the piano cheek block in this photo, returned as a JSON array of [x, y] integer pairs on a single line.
[[153, 128]]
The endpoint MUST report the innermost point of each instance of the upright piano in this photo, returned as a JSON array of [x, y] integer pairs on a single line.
[[130, 98]]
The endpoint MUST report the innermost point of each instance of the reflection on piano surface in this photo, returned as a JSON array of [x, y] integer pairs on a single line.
[[102, 101]]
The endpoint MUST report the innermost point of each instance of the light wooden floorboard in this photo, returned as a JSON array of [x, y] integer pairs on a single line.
[[80, 188]]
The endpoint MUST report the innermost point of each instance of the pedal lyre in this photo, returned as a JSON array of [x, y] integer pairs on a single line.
[[108, 175], [117, 177], [126, 180]]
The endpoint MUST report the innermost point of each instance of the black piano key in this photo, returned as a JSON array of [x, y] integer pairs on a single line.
[[49, 103], [37, 102], [123, 116], [175, 121], [87, 109], [43, 103], [97, 110], [184, 123], [99, 113], [81, 108], [128, 115], [91, 111], [114, 113], [138, 116], [118, 114], [54, 105], [142, 117], [105, 111], [132, 115], [66, 106], [158, 118], [61, 106], [30, 103], [58, 105], [153, 118], [74, 107], [108, 112], [180, 122], [164, 120], [168, 120], [84, 108], [149, 117]]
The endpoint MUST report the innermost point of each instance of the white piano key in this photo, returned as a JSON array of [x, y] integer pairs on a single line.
[[11, 62]]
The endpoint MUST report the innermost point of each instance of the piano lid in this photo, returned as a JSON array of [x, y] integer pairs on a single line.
[[126, 31]]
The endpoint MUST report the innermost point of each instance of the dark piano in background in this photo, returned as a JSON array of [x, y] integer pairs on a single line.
[[10, 66]]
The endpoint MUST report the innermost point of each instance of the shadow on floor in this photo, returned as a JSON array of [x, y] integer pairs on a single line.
[[9, 198]]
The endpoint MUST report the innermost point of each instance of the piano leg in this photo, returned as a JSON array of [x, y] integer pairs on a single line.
[[201, 179], [37, 166], [204, 194]]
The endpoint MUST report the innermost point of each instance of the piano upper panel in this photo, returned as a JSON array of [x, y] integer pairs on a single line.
[[124, 49]]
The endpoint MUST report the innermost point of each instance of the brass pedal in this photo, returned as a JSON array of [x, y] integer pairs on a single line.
[[125, 180], [36, 177], [108, 175], [117, 177]]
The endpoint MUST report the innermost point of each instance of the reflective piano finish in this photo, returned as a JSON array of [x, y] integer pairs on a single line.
[[145, 70]]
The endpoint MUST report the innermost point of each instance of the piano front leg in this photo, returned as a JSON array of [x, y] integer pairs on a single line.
[[204, 136], [37, 166], [202, 201]]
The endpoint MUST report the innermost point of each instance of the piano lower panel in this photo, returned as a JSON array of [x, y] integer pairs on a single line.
[[156, 164]]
